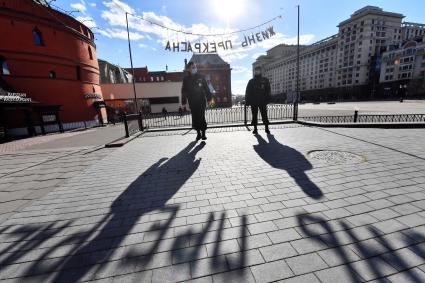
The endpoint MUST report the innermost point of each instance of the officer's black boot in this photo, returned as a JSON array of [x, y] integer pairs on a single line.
[[203, 135], [255, 130], [198, 136], [267, 129]]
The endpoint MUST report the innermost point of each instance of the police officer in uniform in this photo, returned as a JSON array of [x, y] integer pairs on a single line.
[[258, 95], [195, 90]]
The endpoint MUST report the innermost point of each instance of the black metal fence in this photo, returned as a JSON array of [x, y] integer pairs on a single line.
[[224, 116], [242, 115], [133, 123], [367, 118]]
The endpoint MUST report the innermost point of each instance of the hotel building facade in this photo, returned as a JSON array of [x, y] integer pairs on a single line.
[[343, 66]]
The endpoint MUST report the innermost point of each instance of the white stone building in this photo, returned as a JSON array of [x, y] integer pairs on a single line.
[[345, 60], [405, 63]]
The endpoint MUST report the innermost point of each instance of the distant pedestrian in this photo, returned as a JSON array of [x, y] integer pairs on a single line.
[[110, 113], [258, 95], [180, 111], [164, 112], [195, 90]]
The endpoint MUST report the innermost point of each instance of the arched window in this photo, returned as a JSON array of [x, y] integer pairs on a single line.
[[52, 74], [4, 67], [90, 54], [78, 71], [38, 38]]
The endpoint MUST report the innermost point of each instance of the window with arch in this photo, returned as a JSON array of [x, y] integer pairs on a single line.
[[78, 72], [52, 74], [37, 36], [4, 66], [90, 53]]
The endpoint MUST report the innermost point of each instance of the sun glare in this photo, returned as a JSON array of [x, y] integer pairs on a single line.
[[228, 10]]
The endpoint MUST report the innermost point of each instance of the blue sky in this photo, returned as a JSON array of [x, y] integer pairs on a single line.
[[318, 20]]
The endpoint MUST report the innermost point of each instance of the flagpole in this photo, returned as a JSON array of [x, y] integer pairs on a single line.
[[131, 63]]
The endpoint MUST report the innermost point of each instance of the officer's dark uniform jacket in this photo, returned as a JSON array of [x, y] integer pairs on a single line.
[[195, 90], [258, 91]]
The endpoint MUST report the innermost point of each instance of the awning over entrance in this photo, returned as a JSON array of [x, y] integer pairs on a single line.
[[13, 104]]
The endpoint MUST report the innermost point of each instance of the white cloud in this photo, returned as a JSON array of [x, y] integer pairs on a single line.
[[120, 33], [280, 38], [240, 52], [81, 6], [87, 21], [239, 69], [115, 16], [141, 45], [233, 57], [239, 86], [93, 4], [256, 55], [236, 53]]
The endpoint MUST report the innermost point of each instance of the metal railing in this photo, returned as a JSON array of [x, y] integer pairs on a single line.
[[133, 123], [242, 115], [367, 118], [219, 116]]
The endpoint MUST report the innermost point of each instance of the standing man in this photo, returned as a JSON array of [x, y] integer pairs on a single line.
[[195, 90], [258, 95], [164, 112]]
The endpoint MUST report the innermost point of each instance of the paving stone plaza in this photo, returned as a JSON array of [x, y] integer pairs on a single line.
[[300, 205]]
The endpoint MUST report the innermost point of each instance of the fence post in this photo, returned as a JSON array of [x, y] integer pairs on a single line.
[[124, 117], [295, 107], [356, 113], [140, 121], [245, 121]]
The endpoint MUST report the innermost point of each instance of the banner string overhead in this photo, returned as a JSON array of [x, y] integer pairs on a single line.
[[258, 33]]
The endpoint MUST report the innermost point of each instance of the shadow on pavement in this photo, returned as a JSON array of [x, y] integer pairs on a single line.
[[377, 255], [88, 253], [289, 159]]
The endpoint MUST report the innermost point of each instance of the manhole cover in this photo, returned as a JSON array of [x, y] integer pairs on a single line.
[[336, 156]]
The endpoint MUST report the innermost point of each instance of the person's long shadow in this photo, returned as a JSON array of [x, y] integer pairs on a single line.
[[141, 197], [286, 158]]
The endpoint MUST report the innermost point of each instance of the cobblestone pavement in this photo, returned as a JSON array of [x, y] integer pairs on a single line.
[[82, 138], [239, 208], [26, 143], [29, 175]]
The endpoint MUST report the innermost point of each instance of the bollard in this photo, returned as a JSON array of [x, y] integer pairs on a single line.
[[245, 120], [140, 121], [127, 134]]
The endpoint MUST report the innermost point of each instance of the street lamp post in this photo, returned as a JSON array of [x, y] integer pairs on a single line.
[[297, 95], [131, 63]]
